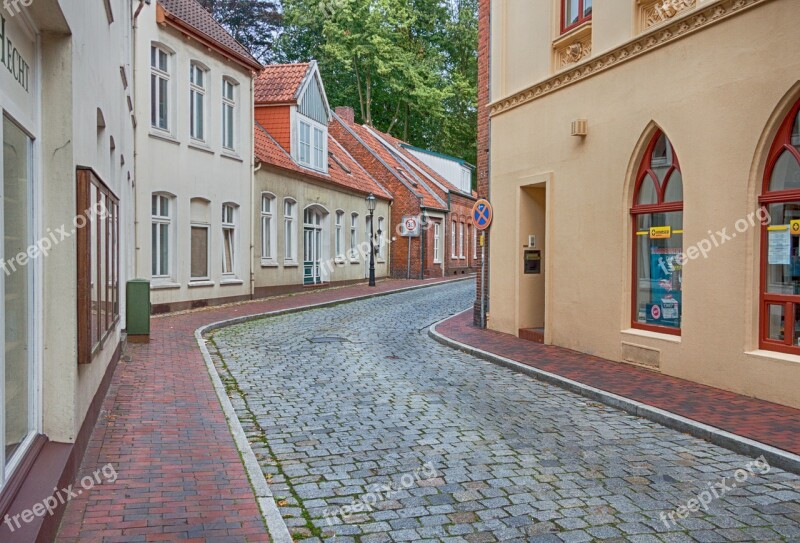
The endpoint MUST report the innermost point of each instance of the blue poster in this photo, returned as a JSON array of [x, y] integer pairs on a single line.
[[666, 276]]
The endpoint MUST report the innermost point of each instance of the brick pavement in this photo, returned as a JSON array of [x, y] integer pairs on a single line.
[[773, 424], [162, 428], [355, 404]]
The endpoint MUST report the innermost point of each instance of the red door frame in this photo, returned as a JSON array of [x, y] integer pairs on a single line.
[[783, 142]]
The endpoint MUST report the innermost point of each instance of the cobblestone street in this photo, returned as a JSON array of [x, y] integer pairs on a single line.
[[368, 430]]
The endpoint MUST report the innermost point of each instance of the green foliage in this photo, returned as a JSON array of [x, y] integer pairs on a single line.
[[254, 23]]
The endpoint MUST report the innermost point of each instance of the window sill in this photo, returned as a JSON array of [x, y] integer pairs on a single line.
[[201, 283], [437, 261], [340, 261], [290, 264], [231, 281], [652, 335], [164, 285], [576, 32], [231, 155], [164, 136], [773, 356], [382, 261], [355, 261], [201, 146], [267, 263]]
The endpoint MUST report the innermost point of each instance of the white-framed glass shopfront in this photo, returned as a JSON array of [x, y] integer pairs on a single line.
[[20, 295]]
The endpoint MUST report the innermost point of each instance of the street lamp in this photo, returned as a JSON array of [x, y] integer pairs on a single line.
[[371, 203]]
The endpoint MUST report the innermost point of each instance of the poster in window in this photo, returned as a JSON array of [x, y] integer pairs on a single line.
[[666, 276], [779, 245]]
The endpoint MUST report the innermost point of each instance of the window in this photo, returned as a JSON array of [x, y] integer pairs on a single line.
[[574, 13], [98, 265], [197, 96], [289, 211], [354, 236], [437, 257], [267, 227], [339, 234], [453, 240], [229, 114], [312, 145], [780, 248], [461, 240], [161, 235], [228, 239], [475, 234], [657, 214], [159, 88], [381, 233], [199, 258]]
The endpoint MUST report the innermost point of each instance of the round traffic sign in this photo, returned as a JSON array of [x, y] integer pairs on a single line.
[[411, 224], [655, 312], [482, 214]]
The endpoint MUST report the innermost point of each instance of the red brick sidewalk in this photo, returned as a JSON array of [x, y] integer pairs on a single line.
[[162, 428], [769, 423]]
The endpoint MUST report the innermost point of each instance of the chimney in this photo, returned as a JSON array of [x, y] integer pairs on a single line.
[[347, 114]]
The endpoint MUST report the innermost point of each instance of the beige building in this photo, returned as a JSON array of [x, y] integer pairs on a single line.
[[67, 177], [311, 223], [636, 146], [194, 157]]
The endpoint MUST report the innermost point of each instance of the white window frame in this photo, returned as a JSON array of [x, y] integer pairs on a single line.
[[167, 222], [309, 153], [453, 239], [160, 73], [381, 237], [437, 250], [290, 231], [229, 219], [461, 240], [207, 277], [339, 235], [229, 112], [475, 235], [197, 92], [269, 230], [354, 237]]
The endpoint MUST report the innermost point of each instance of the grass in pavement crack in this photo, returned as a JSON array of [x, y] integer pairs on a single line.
[[232, 388]]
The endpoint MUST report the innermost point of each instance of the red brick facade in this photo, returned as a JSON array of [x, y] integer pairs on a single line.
[[484, 134]]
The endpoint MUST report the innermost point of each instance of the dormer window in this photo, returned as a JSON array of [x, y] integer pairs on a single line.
[[312, 144]]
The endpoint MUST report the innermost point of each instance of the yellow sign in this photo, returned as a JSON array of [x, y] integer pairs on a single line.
[[660, 232], [483, 240], [794, 227]]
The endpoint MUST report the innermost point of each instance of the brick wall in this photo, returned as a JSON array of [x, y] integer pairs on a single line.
[[484, 8], [460, 210]]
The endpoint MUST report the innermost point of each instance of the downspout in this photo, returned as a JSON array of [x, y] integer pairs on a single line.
[[256, 166], [423, 230], [134, 84]]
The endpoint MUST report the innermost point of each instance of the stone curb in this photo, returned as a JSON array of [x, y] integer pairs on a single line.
[[748, 447], [278, 531]]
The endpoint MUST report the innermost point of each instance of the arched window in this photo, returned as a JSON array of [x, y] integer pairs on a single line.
[[780, 242], [657, 214]]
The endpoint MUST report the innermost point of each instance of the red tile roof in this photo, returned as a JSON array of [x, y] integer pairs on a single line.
[[270, 152], [279, 83], [192, 15], [410, 178]]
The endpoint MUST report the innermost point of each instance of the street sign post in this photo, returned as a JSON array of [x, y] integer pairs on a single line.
[[482, 215], [410, 228]]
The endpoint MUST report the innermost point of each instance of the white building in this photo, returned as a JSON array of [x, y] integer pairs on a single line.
[[194, 157], [456, 170], [68, 145]]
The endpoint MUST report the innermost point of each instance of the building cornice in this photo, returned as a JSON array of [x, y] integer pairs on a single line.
[[693, 21]]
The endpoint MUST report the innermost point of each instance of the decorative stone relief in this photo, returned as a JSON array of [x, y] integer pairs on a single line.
[[573, 51], [655, 12]]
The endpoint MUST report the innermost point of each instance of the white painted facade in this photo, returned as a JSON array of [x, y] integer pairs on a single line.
[[198, 175], [456, 171]]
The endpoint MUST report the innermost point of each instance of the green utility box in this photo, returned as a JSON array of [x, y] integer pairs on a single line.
[[138, 310]]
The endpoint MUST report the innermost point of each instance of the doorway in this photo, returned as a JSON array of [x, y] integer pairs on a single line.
[[532, 284], [312, 247]]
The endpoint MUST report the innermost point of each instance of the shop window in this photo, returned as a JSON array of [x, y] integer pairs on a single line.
[[98, 264], [780, 241], [574, 13], [657, 215]]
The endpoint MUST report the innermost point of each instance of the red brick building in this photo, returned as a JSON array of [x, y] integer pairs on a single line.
[[447, 244], [484, 135]]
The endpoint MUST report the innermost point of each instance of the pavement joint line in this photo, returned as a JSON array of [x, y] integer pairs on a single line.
[[776, 457], [278, 530]]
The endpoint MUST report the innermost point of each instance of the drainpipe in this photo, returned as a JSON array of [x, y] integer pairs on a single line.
[[134, 82], [422, 231]]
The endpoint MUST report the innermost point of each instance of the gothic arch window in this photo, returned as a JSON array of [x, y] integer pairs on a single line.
[[780, 240], [657, 214]]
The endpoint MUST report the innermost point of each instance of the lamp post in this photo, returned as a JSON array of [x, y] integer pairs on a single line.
[[371, 202]]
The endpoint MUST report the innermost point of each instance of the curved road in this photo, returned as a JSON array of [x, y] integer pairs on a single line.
[[369, 431]]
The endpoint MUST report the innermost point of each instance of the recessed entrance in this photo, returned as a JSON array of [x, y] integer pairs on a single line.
[[312, 247], [531, 273]]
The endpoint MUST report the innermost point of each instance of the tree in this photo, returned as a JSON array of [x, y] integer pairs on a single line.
[[254, 23]]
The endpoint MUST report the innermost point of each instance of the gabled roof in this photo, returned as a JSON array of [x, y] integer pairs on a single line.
[[343, 170], [444, 156], [280, 83], [415, 183], [190, 16]]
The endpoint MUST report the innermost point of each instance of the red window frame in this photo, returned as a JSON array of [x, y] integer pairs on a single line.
[[644, 172], [582, 18], [783, 142]]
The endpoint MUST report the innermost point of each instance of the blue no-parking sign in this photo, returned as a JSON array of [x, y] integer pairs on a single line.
[[482, 214]]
